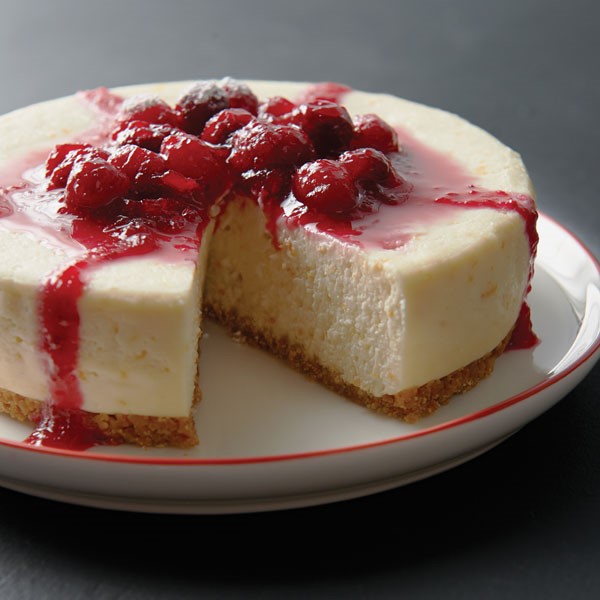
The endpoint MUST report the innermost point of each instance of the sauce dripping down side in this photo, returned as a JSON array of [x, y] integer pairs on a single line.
[[27, 205]]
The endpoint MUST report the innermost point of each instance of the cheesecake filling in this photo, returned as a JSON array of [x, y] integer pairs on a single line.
[[309, 179]]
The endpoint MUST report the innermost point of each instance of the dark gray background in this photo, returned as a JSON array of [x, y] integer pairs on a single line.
[[520, 521]]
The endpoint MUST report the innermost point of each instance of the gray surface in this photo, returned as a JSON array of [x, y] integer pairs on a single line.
[[521, 521]]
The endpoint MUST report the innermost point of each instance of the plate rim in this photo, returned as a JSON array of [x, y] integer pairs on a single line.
[[446, 425], [195, 505]]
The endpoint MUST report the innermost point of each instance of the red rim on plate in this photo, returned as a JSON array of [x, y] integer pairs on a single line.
[[123, 458]]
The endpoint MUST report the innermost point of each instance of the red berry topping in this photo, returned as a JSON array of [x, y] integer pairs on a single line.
[[199, 104], [370, 131], [189, 155], [94, 183], [326, 186], [61, 161], [58, 155], [143, 167], [220, 127], [178, 183], [168, 215], [368, 165], [375, 176], [140, 133], [268, 146], [196, 159], [240, 95], [148, 108], [327, 124], [277, 106]]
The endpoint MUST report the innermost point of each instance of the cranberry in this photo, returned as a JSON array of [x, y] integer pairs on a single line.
[[240, 95], [220, 127], [199, 104], [140, 133], [277, 106], [148, 108], [326, 186], [370, 131], [61, 161], [268, 146], [327, 124], [94, 183]]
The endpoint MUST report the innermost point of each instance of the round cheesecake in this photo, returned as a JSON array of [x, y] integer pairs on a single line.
[[397, 299]]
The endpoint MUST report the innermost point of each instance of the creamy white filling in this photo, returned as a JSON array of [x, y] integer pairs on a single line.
[[383, 323]]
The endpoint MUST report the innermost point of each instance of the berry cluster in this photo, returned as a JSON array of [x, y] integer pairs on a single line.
[[162, 162]]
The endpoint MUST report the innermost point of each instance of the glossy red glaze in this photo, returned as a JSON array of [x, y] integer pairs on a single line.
[[66, 429], [332, 92], [523, 337]]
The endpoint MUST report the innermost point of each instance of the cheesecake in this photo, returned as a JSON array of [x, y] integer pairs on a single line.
[[381, 247]]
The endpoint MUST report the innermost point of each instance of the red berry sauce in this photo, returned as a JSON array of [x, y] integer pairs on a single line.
[[523, 336], [69, 429], [330, 91], [145, 177]]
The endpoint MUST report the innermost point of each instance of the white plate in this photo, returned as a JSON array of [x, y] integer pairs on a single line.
[[271, 439]]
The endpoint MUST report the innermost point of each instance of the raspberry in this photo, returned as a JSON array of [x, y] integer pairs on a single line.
[[178, 183], [143, 168], [58, 155], [148, 108], [370, 131], [94, 183], [240, 95], [375, 176], [61, 161], [325, 186], [267, 146], [277, 106], [196, 159], [327, 124], [199, 104], [220, 127], [188, 155], [140, 133], [368, 165]]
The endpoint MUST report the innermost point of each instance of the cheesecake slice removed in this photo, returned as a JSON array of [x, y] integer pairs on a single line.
[[381, 247]]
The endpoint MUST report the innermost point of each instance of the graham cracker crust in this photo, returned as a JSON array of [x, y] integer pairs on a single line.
[[145, 431], [409, 405]]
